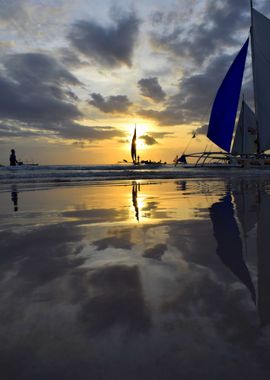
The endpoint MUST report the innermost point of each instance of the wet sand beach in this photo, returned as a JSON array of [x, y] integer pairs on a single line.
[[150, 279]]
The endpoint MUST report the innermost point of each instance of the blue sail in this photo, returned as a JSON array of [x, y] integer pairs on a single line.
[[225, 105]]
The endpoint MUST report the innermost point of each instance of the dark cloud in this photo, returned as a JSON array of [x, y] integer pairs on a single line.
[[65, 130], [118, 103], [109, 46], [8, 131], [75, 131], [205, 44], [36, 101], [217, 29], [38, 68], [34, 89], [148, 140], [150, 88], [70, 59], [202, 130], [196, 93]]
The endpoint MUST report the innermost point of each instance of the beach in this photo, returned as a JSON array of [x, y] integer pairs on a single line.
[[135, 277]]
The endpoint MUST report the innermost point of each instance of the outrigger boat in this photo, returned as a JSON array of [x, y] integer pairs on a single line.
[[252, 136]]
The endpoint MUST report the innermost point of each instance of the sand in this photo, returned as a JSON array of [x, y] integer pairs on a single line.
[[165, 279]]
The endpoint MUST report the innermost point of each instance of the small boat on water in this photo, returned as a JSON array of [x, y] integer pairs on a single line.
[[136, 159], [252, 135]]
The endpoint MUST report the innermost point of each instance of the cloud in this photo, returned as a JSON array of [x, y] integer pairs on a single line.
[[196, 92], [76, 131], [217, 28], [150, 88], [12, 10], [148, 140], [34, 89], [124, 141], [161, 135], [70, 58], [118, 103], [66, 130], [202, 130], [108, 46], [205, 50], [36, 100]]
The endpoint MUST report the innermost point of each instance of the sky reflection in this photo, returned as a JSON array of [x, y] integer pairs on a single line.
[[136, 280]]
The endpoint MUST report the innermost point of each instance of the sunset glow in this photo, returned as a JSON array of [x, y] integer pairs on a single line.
[[76, 76]]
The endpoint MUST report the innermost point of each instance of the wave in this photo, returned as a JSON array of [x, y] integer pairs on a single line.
[[89, 173]]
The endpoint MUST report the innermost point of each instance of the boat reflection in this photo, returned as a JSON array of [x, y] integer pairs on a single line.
[[135, 189], [263, 244], [243, 211], [229, 244]]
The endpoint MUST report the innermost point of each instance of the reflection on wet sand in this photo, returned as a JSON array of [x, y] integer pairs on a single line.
[[252, 208], [14, 197], [85, 290], [263, 244], [135, 189], [229, 244]]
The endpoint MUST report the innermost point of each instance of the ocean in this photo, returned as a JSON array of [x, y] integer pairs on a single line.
[[68, 174]]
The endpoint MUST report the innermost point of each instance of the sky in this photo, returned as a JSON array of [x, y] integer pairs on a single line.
[[76, 76]]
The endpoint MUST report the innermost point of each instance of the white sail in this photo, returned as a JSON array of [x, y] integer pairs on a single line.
[[246, 132], [261, 73]]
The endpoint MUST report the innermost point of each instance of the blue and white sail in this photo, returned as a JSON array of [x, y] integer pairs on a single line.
[[224, 109]]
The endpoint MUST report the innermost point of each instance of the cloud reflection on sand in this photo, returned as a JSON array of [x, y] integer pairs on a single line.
[[99, 292]]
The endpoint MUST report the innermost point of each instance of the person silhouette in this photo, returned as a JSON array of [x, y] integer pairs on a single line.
[[12, 158]]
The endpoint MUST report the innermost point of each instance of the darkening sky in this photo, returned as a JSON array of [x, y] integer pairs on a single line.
[[75, 76]]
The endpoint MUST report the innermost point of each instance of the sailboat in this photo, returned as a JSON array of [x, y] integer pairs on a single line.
[[252, 136], [136, 159]]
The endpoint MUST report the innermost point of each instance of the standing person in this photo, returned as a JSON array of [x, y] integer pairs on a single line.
[[12, 158]]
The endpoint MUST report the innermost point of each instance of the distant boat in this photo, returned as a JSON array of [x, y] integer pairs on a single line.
[[134, 147], [136, 159], [252, 136]]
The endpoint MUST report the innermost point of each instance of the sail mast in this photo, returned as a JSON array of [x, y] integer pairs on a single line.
[[253, 74], [243, 127]]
